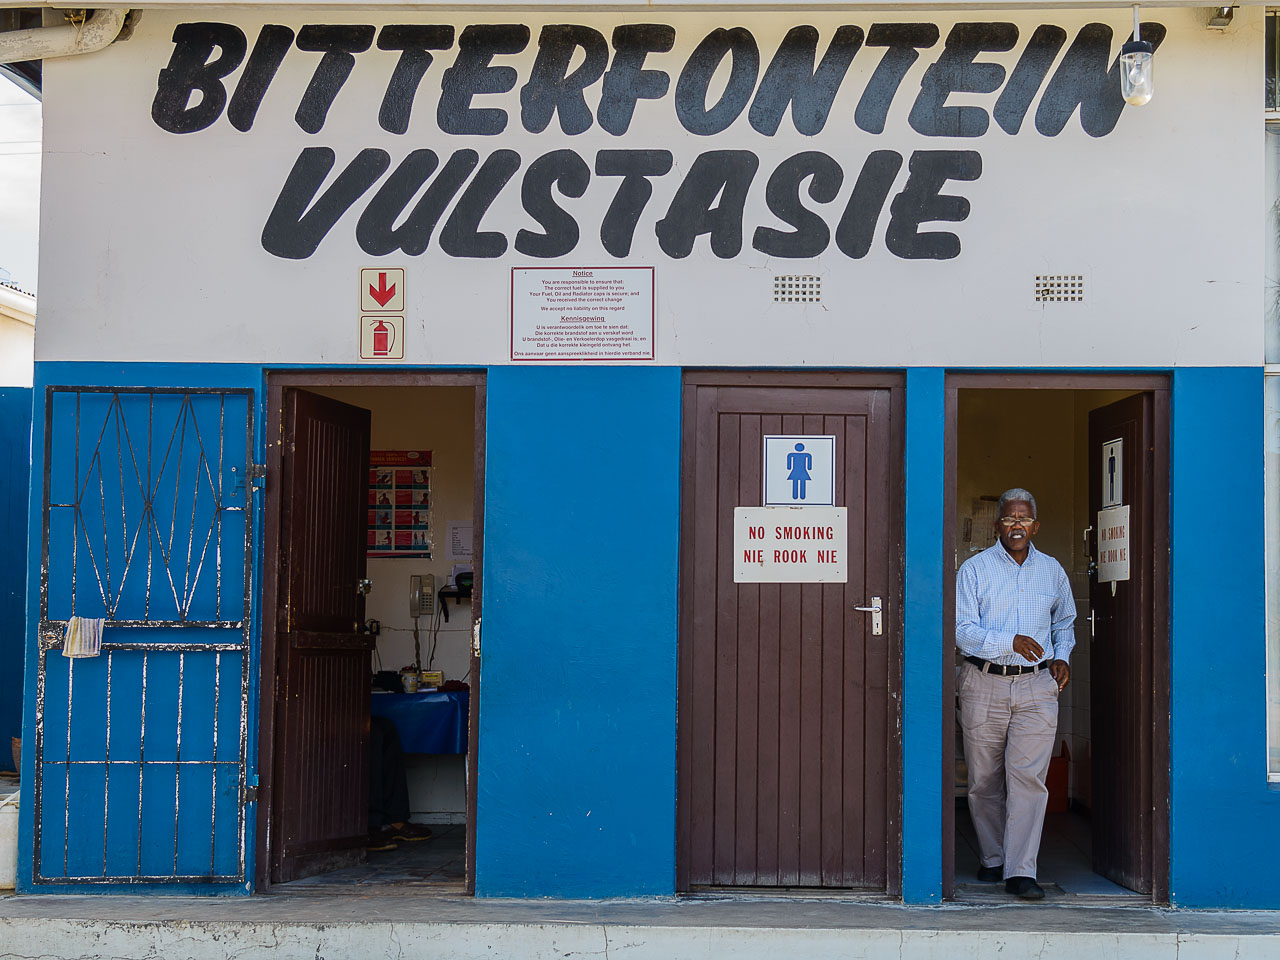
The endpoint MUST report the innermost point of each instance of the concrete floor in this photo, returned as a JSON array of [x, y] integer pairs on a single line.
[[1066, 865], [437, 865]]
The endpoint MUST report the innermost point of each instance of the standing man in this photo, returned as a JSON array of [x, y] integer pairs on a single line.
[[1014, 615]]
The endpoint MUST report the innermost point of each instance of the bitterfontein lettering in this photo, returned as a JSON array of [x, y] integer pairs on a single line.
[[213, 73]]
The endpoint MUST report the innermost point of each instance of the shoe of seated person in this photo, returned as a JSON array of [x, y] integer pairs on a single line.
[[379, 841], [410, 832], [1024, 887]]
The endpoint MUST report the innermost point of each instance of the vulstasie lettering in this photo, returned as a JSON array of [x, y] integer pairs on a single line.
[[709, 201]]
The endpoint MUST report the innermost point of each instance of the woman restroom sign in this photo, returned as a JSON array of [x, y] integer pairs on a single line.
[[799, 471]]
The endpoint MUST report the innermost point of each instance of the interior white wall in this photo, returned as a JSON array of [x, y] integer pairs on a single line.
[[442, 420]]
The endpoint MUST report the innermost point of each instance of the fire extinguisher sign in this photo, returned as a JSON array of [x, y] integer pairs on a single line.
[[382, 313], [381, 336]]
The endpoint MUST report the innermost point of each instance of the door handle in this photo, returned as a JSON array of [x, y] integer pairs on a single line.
[[876, 611], [1094, 617], [363, 587]]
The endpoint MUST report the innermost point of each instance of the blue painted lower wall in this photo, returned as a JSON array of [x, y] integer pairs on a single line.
[[578, 677], [15, 474], [1224, 821], [924, 633], [578, 704]]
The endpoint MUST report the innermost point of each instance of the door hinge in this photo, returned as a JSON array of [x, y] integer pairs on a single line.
[[475, 638], [258, 475], [250, 793]]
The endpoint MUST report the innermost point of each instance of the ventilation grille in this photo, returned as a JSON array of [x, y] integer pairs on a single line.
[[797, 288], [1060, 288]]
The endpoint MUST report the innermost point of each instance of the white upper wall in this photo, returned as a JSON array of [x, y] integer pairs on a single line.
[[152, 241]]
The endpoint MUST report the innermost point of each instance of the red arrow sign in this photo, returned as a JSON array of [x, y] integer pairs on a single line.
[[382, 293]]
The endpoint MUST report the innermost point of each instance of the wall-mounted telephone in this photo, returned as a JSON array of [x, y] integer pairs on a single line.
[[422, 595]]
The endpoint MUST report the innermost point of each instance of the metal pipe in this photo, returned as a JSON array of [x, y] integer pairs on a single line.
[[45, 43]]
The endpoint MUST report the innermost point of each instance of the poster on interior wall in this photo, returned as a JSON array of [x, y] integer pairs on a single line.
[[399, 503]]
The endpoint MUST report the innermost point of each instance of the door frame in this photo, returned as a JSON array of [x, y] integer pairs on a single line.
[[895, 383], [1158, 385], [277, 383]]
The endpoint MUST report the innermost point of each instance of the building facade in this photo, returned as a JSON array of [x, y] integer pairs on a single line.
[[591, 261]]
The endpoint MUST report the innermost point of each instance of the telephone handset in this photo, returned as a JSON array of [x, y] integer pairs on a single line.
[[422, 595]]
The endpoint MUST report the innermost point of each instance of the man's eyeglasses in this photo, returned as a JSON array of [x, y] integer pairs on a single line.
[[1017, 521]]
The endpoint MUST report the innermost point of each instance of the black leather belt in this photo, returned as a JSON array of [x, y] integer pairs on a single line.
[[1006, 669]]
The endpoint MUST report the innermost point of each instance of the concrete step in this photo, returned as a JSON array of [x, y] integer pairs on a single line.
[[694, 928]]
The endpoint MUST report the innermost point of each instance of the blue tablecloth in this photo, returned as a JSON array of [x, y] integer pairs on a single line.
[[427, 722]]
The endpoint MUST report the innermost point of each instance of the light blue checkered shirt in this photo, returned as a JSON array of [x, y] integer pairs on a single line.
[[996, 599]]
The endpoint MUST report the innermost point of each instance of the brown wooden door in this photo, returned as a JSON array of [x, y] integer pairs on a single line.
[[321, 790], [786, 717], [1121, 655]]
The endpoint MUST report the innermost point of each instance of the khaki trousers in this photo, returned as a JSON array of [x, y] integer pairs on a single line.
[[1009, 724]]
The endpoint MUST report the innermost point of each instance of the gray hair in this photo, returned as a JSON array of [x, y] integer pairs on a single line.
[[1016, 495]]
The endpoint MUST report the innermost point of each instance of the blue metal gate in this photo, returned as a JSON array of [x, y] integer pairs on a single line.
[[140, 773]]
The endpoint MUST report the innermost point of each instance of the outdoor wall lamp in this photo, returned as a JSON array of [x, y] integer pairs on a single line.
[[1136, 84]]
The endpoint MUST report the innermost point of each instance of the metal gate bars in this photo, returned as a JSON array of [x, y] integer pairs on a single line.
[[140, 760]]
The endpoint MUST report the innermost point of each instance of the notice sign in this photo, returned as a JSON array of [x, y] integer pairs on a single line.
[[790, 544], [799, 471], [1113, 544], [582, 313]]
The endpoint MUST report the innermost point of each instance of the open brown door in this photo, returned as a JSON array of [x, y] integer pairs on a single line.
[[1122, 655], [788, 762], [319, 816]]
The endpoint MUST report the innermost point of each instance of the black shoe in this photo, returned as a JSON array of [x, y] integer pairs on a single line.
[[991, 874], [410, 832], [379, 841], [1024, 887]]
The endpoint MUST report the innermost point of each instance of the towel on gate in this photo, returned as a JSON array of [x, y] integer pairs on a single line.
[[83, 637]]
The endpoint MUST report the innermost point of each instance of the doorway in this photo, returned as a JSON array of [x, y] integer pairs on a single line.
[[372, 575], [788, 745], [1106, 832]]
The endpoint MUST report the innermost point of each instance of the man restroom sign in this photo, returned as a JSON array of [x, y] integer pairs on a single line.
[[1113, 473], [799, 471]]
